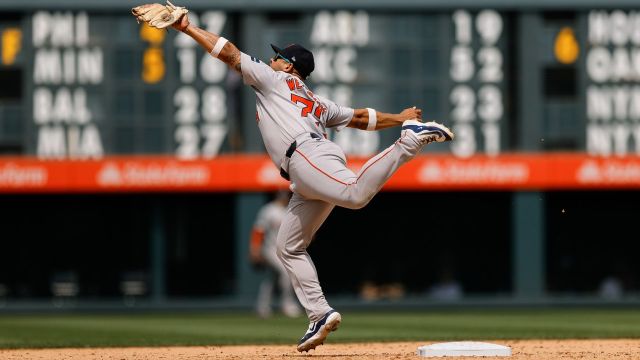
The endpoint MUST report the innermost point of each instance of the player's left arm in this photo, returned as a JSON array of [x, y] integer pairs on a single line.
[[371, 119], [228, 52]]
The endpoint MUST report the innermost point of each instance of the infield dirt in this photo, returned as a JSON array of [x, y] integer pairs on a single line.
[[522, 349]]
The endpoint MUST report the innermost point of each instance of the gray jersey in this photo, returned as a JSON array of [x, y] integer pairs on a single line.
[[286, 108]]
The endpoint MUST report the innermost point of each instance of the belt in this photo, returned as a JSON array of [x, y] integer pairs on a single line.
[[291, 150]]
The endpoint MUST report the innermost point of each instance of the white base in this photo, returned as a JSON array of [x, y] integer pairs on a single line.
[[463, 348]]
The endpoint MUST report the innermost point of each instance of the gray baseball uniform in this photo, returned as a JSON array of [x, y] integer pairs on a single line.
[[288, 111], [268, 222]]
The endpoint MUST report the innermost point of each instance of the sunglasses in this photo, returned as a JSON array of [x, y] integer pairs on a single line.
[[282, 57]]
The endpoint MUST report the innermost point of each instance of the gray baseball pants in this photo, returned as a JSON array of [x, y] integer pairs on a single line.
[[321, 180]]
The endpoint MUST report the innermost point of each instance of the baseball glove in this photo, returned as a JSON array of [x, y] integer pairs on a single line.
[[157, 15]]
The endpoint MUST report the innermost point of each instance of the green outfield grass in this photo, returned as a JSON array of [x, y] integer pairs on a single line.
[[35, 331]]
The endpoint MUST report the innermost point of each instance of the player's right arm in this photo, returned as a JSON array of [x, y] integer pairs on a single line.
[[229, 53]]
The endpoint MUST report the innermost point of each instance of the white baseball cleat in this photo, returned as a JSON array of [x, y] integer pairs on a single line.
[[319, 330], [428, 132]]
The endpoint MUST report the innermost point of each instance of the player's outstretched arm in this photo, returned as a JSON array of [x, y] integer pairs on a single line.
[[370, 119], [222, 49]]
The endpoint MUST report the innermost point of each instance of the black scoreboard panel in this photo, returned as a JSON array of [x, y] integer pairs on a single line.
[[452, 65], [100, 84], [91, 84], [610, 82], [11, 72]]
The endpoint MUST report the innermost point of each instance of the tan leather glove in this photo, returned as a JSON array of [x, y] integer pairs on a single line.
[[157, 15]]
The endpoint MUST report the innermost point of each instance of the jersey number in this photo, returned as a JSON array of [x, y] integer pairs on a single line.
[[308, 106]]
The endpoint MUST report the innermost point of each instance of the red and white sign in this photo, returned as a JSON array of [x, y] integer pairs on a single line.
[[510, 172], [18, 175], [136, 174]]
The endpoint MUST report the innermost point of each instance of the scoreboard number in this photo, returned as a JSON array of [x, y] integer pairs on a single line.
[[200, 111], [477, 76], [336, 37]]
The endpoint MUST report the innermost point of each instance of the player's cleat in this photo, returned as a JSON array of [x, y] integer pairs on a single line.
[[428, 132], [319, 330]]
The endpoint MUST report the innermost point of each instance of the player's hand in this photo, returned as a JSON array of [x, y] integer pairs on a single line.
[[411, 113], [181, 24]]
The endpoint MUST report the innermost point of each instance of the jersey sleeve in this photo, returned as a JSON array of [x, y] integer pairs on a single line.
[[337, 116], [256, 73]]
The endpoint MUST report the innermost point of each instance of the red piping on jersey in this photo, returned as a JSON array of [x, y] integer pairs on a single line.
[[383, 155], [317, 168], [342, 182], [370, 165]]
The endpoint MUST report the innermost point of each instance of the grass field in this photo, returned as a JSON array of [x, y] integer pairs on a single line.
[[110, 330]]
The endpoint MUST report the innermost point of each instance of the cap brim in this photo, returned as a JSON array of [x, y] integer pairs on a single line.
[[276, 49]]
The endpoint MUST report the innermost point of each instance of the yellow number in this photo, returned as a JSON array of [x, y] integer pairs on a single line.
[[11, 43], [566, 47], [152, 35], [153, 67]]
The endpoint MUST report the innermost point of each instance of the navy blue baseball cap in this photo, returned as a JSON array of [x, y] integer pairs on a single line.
[[301, 58]]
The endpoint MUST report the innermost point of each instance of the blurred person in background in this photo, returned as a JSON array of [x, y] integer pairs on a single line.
[[446, 287], [618, 281], [262, 254]]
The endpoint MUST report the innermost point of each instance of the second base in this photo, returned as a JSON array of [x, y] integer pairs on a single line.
[[463, 348]]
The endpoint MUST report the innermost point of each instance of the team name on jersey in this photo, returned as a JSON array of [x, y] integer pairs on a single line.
[[310, 102]]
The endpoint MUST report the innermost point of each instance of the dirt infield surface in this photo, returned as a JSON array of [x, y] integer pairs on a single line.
[[522, 349]]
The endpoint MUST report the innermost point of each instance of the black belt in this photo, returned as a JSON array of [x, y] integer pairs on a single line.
[[291, 150]]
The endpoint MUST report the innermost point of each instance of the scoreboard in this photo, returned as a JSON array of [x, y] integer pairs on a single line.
[[449, 64], [84, 84], [100, 85]]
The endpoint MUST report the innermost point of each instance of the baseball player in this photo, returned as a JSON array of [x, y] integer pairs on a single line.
[[293, 123], [262, 251]]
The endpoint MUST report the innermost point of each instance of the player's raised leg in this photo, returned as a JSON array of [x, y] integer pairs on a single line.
[[318, 167]]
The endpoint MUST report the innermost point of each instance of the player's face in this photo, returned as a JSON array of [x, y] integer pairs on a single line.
[[280, 63]]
